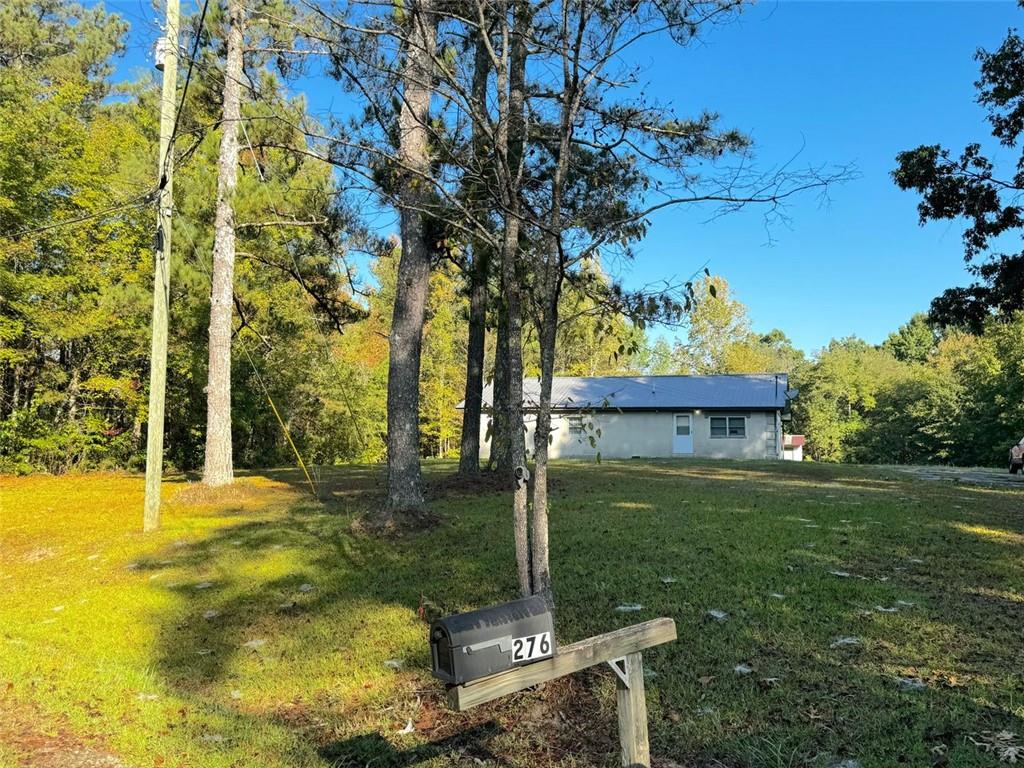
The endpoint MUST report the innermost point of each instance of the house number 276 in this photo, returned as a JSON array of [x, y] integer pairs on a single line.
[[531, 647]]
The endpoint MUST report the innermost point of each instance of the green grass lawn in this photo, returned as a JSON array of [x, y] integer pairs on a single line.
[[258, 629]]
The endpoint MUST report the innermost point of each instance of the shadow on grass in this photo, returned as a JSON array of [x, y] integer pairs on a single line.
[[373, 749], [322, 630], [730, 538]]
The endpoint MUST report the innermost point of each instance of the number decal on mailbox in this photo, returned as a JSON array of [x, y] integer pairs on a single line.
[[531, 647]]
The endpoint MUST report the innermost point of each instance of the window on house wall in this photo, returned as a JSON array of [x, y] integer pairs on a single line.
[[575, 425], [728, 426]]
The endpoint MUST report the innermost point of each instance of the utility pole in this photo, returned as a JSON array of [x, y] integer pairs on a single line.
[[167, 60]]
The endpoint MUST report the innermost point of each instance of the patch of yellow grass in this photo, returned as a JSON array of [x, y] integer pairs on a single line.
[[103, 627], [994, 534], [637, 506]]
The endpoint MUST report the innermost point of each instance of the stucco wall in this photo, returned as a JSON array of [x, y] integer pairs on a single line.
[[649, 434], [760, 443]]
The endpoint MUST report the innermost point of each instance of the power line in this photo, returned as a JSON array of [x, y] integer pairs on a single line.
[[133, 202], [145, 198], [188, 78]]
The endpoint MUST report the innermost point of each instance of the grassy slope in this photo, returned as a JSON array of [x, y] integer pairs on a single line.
[[102, 630]]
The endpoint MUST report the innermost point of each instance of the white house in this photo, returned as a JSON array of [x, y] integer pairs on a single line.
[[734, 416]]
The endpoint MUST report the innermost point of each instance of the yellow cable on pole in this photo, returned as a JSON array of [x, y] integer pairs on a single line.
[[288, 436], [259, 379], [284, 427]]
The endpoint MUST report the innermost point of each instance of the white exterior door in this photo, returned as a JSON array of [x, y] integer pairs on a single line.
[[682, 434]]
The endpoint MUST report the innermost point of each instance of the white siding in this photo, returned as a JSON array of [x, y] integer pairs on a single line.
[[649, 434]]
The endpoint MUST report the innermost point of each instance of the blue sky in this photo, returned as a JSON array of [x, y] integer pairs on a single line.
[[830, 82], [846, 82]]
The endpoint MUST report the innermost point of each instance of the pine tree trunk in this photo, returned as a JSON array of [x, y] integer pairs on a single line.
[[551, 271], [16, 390], [499, 458], [405, 492], [7, 374], [510, 254], [469, 450], [541, 571], [74, 390], [218, 469], [517, 440]]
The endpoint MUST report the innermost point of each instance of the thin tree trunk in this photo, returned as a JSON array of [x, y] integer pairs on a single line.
[[405, 492], [218, 469], [550, 282], [516, 142], [5, 391], [16, 393], [539, 545], [469, 451], [74, 384], [500, 460], [517, 440]]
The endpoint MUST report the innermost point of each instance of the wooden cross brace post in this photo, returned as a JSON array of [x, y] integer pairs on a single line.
[[621, 649]]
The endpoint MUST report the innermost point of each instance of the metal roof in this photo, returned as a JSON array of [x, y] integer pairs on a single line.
[[767, 391]]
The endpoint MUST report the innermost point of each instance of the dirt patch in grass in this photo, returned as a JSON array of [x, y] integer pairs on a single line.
[[242, 491], [396, 525], [57, 748], [487, 482], [564, 718], [558, 721], [446, 486]]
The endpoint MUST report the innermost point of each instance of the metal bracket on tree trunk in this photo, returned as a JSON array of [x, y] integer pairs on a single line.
[[619, 668]]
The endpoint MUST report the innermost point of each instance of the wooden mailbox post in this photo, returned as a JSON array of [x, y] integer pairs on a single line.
[[621, 650]]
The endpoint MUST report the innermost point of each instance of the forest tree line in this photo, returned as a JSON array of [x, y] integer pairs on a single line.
[[314, 288]]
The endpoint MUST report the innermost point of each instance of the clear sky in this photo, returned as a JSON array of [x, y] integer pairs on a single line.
[[830, 82], [837, 82]]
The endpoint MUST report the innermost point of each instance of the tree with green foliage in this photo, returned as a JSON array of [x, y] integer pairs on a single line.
[[837, 392], [771, 352], [443, 374], [970, 187], [989, 416], [76, 243], [913, 419], [915, 341], [655, 359], [592, 339], [445, 336], [74, 183], [716, 321], [916, 399], [720, 339]]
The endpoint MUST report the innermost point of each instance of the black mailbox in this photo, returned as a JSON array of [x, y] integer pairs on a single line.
[[477, 644]]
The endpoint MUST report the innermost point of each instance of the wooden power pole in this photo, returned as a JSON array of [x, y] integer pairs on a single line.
[[166, 59]]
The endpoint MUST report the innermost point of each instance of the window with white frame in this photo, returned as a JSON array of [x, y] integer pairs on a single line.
[[729, 426], [575, 425]]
